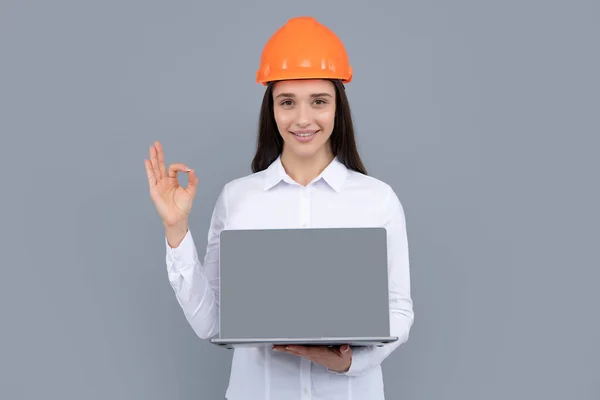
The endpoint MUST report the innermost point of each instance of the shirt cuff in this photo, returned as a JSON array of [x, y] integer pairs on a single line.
[[183, 255]]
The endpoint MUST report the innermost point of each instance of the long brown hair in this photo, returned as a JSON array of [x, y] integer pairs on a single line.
[[343, 144]]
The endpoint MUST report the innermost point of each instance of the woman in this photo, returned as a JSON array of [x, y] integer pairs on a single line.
[[306, 173]]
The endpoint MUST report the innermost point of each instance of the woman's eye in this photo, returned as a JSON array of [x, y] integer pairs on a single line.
[[286, 103], [319, 102]]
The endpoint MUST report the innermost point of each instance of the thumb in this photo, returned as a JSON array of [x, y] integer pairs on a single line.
[[345, 348]]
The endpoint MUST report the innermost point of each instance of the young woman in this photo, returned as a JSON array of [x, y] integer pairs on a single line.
[[306, 173]]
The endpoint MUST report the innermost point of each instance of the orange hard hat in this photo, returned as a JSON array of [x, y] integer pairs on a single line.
[[303, 48]]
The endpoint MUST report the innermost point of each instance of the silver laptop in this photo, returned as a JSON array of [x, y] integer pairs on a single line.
[[323, 286]]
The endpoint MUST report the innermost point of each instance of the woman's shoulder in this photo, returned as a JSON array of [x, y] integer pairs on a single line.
[[245, 184], [370, 183]]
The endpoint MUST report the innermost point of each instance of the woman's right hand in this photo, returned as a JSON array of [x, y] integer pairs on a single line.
[[173, 202]]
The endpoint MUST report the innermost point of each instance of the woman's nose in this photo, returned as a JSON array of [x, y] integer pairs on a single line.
[[303, 118]]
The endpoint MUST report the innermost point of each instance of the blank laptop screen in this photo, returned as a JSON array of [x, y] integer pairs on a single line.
[[304, 283]]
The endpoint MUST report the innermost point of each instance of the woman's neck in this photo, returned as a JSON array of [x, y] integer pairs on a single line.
[[304, 170]]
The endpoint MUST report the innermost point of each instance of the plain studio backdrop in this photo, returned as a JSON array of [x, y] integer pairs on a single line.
[[483, 116]]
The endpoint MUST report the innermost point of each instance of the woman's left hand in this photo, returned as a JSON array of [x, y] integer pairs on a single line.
[[337, 359]]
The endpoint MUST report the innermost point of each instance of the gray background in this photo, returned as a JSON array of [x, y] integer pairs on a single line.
[[483, 116]]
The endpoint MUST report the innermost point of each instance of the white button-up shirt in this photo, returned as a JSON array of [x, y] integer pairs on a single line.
[[338, 197]]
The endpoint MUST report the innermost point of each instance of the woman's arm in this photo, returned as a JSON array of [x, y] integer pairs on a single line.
[[401, 305], [196, 284]]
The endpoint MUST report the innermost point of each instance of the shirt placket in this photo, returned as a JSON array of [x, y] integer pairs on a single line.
[[305, 207], [305, 379], [305, 365]]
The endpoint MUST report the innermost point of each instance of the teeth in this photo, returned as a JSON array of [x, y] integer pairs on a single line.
[[304, 134]]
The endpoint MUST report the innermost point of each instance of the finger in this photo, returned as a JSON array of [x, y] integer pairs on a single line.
[[154, 160], [294, 348], [174, 168], [150, 173], [298, 352], [192, 183], [161, 159], [281, 347], [305, 351]]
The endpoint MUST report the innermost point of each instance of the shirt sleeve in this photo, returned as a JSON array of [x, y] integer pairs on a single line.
[[401, 305], [195, 283]]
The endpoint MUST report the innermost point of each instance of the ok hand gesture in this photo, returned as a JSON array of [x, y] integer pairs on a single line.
[[173, 202]]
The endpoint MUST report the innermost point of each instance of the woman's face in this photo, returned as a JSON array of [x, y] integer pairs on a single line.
[[304, 113]]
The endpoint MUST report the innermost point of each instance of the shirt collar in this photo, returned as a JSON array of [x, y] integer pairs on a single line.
[[334, 174]]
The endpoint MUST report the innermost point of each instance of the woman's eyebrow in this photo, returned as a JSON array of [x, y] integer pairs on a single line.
[[285, 95], [312, 95]]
